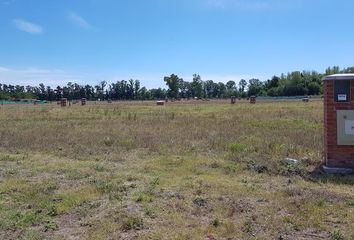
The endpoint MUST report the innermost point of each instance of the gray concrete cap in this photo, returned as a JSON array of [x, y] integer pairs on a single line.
[[344, 76]]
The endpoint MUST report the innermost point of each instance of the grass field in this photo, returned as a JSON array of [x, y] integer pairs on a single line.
[[207, 170]]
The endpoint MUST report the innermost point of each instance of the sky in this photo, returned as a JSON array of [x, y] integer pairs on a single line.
[[87, 41]]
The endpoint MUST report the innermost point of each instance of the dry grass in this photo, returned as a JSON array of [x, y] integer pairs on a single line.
[[207, 170]]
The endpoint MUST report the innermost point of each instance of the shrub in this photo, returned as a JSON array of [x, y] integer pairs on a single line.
[[200, 202], [337, 235], [132, 223], [237, 147], [216, 222], [108, 141], [140, 197]]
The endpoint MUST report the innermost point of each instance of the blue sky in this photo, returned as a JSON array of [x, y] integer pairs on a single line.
[[87, 41]]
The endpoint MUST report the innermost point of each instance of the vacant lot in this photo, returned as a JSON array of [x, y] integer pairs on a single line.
[[207, 170]]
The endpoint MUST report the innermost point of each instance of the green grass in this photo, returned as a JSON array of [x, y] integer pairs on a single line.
[[182, 171]]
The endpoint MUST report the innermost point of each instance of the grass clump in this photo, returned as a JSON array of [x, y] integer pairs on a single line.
[[108, 141], [140, 197], [216, 222], [50, 226], [7, 158], [132, 223], [247, 226], [200, 201], [337, 235], [237, 148]]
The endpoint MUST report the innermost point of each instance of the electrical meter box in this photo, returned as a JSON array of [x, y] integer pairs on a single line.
[[339, 121], [345, 127]]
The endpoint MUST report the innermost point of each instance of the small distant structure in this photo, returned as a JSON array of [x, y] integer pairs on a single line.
[[233, 99], [63, 102], [306, 99], [253, 99], [83, 101], [160, 103]]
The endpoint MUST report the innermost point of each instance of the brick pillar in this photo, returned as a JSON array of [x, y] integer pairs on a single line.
[[336, 156], [330, 127], [63, 102], [253, 99], [233, 100]]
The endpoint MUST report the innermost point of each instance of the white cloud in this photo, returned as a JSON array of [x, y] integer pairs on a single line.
[[34, 76], [79, 21], [27, 26], [2, 69], [55, 77]]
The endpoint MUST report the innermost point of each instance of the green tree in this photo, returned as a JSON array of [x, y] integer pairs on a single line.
[[209, 88], [173, 83], [242, 85], [231, 88], [230, 85], [332, 70], [185, 89], [314, 88], [197, 86], [222, 90], [136, 89], [255, 86]]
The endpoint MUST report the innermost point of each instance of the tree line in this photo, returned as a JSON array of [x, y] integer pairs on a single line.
[[292, 84]]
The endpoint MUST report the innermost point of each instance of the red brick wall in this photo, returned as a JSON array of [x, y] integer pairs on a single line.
[[252, 99], [336, 156]]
